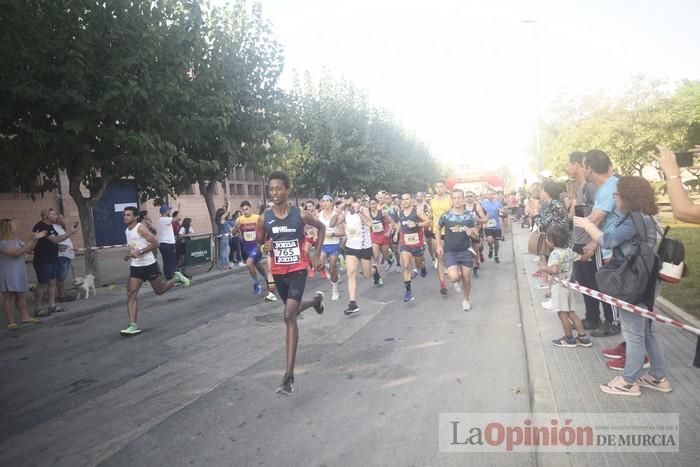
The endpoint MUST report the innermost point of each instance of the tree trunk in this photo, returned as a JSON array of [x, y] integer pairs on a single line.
[[207, 190], [87, 224]]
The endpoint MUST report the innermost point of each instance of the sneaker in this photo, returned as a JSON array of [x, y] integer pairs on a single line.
[[397, 268], [131, 330], [589, 325], [565, 341], [341, 262], [435, 263], [324, 275], [458, 287], [495, 258], [619, 364], [471, 250], [408, 297], [414, 273], [616, 352], [352, 308], [181, 279], [257, 289], [648, 381], [475, 273], [481, 257], [334, 292], [537, 274], [466, 306], [490, 253], [606, 330], [320, 308], [312, 273], [387, 266], [270, 297], [12, 327], [542, 287], [55, 309], [287, 386], [547, 305], [241, 264], [41, 313], [423, 272], [584, 341], [618, 386], [380, 282]]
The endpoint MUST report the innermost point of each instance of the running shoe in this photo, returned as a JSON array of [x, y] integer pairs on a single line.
[[323, 274], [131, 330], [408, 297], [619, 387], [334, 292], [435, 263], [542, 287], [320, 308], [466, 306], [397, 268], [583, 341], [312, 273], [257, 288], [547, 305], [565, 341], [490, 253], [414, 273], [457, 285], [352, 308], [619, 364], [616, 352], [423, 271], [270, 297], [495, 258], [380, 282], [287, 386], [182, 279], [387, 266], [481, 257], [475, 273], [241, 264], [341, 262], [471, 250], [648, 381]]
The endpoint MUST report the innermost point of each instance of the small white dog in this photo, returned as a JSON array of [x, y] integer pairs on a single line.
[[85, 284]]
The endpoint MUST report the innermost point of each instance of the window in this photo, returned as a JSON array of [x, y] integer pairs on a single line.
[[190, 190], [251, 189]]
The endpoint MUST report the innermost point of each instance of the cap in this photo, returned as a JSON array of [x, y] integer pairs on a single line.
[[327, 197], [165, 208]]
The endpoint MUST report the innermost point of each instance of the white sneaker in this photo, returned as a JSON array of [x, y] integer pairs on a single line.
[[397, 269], [466, 306], [241, 264], [471, 250], [435, 263], [542, 287], [458, 287], [387, 267], [547, 305], [334, 292]]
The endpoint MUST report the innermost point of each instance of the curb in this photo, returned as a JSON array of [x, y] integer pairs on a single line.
[[676, 312]]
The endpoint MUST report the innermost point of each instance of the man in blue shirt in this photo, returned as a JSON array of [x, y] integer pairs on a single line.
[[492, 229]]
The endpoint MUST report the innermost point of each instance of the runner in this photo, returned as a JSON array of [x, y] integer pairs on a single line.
[[440, 204], [460, 226], [380, 237], [493, 230], [281, 234], [358, 247], [143, 267], [422, 203], [330, 249], [392, 211], [310, 233], [411, 243], [471, 205], [246, 226]]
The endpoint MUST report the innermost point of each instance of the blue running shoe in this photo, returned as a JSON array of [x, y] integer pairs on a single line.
[[408, 297], [423, 272], [257, 288]]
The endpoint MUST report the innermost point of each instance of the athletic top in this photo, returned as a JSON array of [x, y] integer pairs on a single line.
[[456, 225], [328, 239], [440, 207], [357, 232], [137, 242], [288, 238], [411, 237], [249, 230], [379, 223], [491, 208]]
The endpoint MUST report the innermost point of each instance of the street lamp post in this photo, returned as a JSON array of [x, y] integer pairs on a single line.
[[538, 141]]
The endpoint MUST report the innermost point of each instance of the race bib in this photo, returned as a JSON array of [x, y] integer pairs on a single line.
[[377, 227], [352, 233], [286, 251], [249, 236], [411, 239], [491, 224]]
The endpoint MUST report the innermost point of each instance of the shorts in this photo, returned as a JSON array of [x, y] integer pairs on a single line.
[[45, 272], [145, 273], [380, 239], [331, 249], [364, 253], [252, 252], [562, 298], [496, 233], [415, 251], [291, 285], [459, 258], [62, 268]]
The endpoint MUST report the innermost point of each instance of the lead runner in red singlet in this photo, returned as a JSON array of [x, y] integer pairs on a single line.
[[281, 233]]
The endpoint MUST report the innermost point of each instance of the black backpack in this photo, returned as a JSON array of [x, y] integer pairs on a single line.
[[631, 278]]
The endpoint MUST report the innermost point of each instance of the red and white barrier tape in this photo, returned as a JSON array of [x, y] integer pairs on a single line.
[[100, 247], [628, 306]]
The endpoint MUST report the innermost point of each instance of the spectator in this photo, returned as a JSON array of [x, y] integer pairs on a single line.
[[46, 261], [176, 223], [166, 240], [183, 235], [633, 194], [683, 207], [235, 256], [599, 171], [66, 255], [222, 236], [145, 219], [13, 273], [552, 211], [230, 224]]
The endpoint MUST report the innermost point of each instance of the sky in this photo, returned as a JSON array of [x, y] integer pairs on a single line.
[[467, 76]]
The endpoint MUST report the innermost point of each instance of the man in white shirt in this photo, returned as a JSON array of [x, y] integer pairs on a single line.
[[66, 255], [166, 239]]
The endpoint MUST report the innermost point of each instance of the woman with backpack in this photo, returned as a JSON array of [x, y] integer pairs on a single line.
[[635, 205]]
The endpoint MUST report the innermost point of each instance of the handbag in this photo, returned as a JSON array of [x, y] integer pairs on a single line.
[[537, 244], [672, 255]]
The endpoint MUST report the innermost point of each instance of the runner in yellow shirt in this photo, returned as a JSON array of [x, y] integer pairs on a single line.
[[440, 204]]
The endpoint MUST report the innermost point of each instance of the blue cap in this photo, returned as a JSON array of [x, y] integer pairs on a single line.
[[165, 208]]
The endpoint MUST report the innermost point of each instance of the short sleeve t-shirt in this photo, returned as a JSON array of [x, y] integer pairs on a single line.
[[491, 208], [45, 251], [605, 201], [440, 206], [455, 227], [585, 196], [564, 257], [165, 230]]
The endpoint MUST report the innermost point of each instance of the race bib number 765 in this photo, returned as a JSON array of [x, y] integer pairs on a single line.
[[286, 251]]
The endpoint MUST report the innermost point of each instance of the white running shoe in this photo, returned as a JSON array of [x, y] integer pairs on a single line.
[[458, 287], [542, 287], [397, 269], [466, 306], [334, 292], [471, 250], [547, 305]]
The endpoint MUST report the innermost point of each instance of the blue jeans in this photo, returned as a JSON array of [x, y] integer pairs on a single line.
[[641, 338], [224, 250]]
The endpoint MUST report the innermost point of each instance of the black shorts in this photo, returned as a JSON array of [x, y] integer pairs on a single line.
[[496, 233], [291, 285], [365, 253], [145, 273]]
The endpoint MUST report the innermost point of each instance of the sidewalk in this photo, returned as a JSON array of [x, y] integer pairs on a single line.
[[567, 380]]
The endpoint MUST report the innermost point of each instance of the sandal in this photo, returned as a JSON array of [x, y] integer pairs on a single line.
[[31, 321], [56, 309], [12, 326]]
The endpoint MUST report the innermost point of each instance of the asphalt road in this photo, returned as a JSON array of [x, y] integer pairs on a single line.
[[197, 386]]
